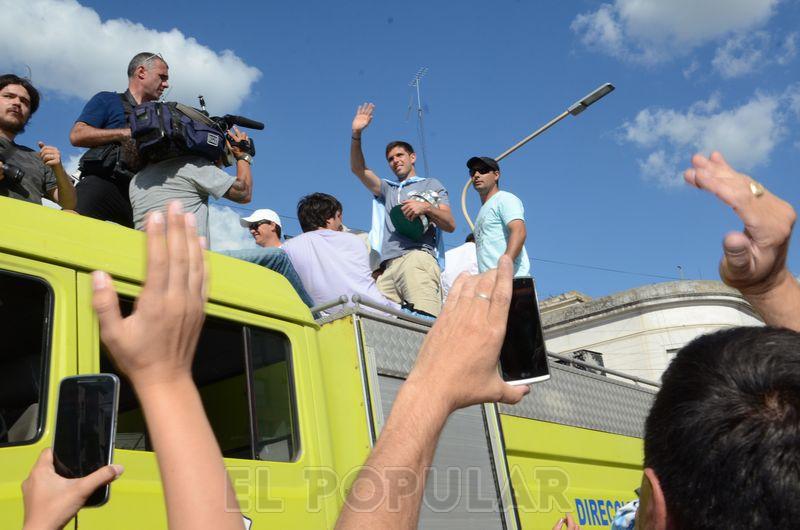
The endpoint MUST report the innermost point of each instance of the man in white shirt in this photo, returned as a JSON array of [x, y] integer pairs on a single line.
[[463, 258], [330, 262]]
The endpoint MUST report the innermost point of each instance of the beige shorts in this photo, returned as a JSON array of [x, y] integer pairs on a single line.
[[415, 278]]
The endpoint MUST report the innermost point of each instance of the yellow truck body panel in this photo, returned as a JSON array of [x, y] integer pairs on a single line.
[[296, 404]]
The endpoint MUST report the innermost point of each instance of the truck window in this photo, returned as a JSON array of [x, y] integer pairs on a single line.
[[273, 393], [250, 405], [25, 318]]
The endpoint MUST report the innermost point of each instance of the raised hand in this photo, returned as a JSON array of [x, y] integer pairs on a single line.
[[363, 117], [49, 155], [459, 356], [238, 136], [754, 260], [156, 344]]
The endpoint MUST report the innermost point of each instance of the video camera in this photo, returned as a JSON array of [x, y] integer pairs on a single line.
[[224, 123], [164, 130], [11, 173]]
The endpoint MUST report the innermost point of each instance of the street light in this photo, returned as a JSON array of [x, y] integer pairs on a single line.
[[574, 109]]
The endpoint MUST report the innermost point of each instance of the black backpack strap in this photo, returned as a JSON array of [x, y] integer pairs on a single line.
[[128, 103]]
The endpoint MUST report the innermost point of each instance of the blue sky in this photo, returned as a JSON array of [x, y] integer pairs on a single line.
[[601, 191]]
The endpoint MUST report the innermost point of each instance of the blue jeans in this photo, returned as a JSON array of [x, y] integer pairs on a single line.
[[274, 259]]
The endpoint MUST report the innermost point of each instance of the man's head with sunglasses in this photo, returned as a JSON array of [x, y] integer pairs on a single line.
[[264, 226], [148, 76], [485, 175]]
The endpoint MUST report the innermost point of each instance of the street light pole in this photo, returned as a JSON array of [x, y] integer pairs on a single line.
[[574, 109]]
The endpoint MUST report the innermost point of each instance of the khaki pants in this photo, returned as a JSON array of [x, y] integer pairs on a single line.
[[414, 278]]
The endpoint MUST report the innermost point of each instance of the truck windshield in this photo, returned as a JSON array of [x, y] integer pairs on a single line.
[[25, 316]]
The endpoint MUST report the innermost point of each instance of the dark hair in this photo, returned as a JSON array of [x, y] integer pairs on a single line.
[[33, 94], [398, 143], [470, 238], [277, 229], [143, 59], [723, 435], [313, 211]]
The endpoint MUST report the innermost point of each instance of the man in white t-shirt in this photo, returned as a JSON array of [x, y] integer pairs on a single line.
[[463, 258], [500, 225], [330, 262]]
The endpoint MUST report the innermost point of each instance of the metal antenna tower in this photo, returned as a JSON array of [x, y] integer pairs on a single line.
[[420, 126]]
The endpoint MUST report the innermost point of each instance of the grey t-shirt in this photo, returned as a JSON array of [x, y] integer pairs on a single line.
[[394, 244], [189, 179], [38, 179]]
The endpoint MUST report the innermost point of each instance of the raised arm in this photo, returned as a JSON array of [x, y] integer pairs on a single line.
[[357, 164], [154, 347], [456, 367], [84, 135], [241, 190], [754, 260], [64, 193]]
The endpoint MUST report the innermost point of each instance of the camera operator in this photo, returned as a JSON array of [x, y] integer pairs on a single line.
[[103, 127], [25, 174], [191, 179]]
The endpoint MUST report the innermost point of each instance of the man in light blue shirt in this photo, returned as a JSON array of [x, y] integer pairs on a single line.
[[500, 225]]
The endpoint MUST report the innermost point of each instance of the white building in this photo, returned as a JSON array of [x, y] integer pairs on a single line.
[[639, 331]]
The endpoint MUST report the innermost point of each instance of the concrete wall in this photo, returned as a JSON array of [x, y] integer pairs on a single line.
[[639, 331]]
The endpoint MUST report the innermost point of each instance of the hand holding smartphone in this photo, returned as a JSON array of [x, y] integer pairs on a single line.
[[86, 424], [523, 357]]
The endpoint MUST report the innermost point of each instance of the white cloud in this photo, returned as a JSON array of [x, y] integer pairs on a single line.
[[225, 232], [72, 51], [71, 164], [690, 70], [788, 50], [651, 31], [746, 135], [749, 52], [741, 54]]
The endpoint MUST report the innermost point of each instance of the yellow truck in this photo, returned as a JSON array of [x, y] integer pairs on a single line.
[[296, 403]]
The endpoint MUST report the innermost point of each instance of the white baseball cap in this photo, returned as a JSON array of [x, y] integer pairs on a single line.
[[264, 214]]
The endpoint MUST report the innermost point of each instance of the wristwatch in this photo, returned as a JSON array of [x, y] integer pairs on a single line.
[[246, 157]]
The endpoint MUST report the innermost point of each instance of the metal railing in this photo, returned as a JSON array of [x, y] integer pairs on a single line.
[[397, 317], [603, 370]]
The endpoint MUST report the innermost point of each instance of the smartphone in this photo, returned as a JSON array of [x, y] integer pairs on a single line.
[[86, 424], [523, 357]]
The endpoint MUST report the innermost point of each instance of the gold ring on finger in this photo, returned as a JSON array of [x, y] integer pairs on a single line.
[[756, 188]]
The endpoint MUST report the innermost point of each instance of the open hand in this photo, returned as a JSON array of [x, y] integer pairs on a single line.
[[156, 344], [363, 117], [459, 356], [754, 260]]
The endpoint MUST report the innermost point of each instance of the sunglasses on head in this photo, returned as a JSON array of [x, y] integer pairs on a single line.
[[254, 226], [151, 57]]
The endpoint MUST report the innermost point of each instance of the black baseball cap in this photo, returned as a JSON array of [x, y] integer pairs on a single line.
[[481, 161]]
